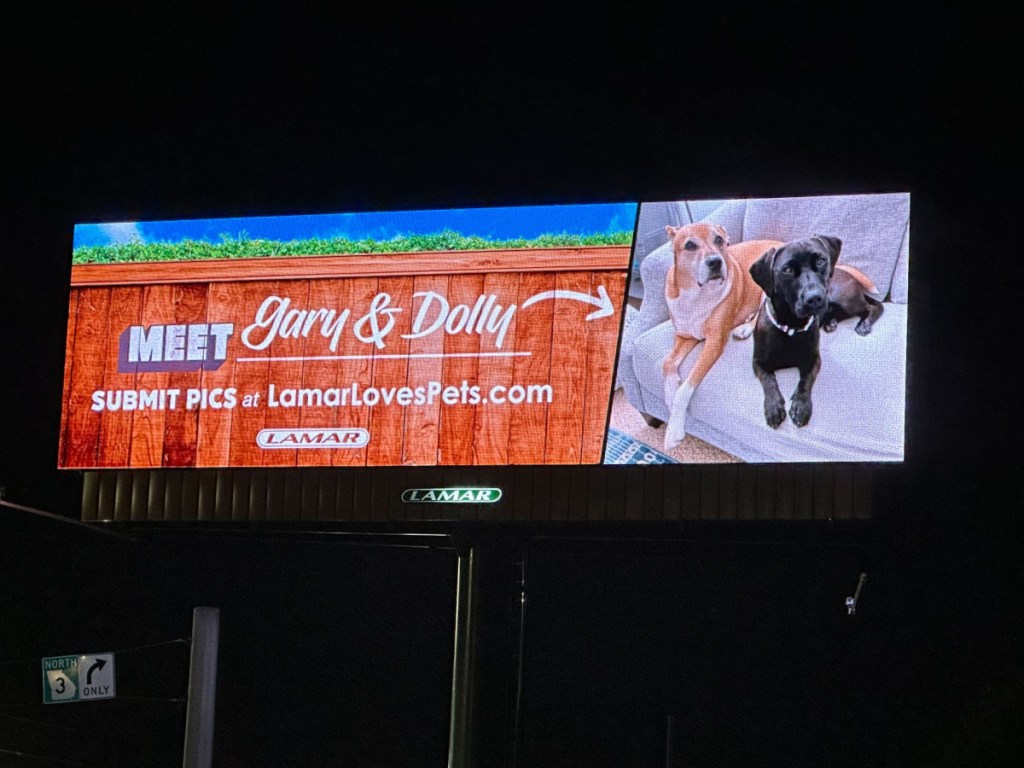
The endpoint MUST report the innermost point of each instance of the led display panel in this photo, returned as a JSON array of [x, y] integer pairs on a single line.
[[690, 331]]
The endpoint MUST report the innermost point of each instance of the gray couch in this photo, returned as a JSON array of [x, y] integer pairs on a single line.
[[859, 396]]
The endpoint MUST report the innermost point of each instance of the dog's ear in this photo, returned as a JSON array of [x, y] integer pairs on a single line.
[[762, 271], [671, 232], [834, 245]]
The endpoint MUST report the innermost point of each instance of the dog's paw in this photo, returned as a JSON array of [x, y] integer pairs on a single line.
[[800, 410], [830, 325], [864, 327], [774, 411]]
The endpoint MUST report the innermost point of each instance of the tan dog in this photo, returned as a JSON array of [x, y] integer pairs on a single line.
[[710, 293]]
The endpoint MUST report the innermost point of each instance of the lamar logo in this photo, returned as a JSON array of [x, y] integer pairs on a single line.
[[452, 495], [349, 437]]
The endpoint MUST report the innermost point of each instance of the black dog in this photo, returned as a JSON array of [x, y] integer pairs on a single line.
[[804, 292]]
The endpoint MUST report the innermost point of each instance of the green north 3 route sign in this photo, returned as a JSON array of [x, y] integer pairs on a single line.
[[78, 678], [451, 495]]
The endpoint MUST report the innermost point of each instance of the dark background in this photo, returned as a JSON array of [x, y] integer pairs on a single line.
[[157, 112]]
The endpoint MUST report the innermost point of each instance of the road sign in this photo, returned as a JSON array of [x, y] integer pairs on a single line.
[[78, 678]]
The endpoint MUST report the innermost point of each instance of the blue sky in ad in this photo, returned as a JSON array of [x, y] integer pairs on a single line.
[[490, 223]]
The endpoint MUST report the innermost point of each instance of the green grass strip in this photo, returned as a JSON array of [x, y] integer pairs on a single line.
[[245, 248]]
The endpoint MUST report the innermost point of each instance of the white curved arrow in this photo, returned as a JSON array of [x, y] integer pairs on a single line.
[[601, 301]]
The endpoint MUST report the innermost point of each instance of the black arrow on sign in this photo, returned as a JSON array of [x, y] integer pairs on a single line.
[[99, 664]]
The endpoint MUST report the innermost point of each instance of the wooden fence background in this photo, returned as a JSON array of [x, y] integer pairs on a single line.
[[574, 356]]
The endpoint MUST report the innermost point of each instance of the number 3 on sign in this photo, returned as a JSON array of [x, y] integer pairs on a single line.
[[62, 688]]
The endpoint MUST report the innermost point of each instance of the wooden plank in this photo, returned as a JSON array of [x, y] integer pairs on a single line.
[[285, 374], [528, 423], [181, 425], [458, 420], [609, 257], [91, 345], [251, 375], [602, 345], [147, 446], [225, 304], [564, 432], [494, 420], [355, 372], [422, 422], [322, 374], [69, 359], [387, 421], [116, 426]]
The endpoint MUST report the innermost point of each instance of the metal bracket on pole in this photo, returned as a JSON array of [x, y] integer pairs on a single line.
[[202, 688], [851, 602]]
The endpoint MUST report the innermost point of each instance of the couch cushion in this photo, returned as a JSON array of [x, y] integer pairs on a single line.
[[872, 227], [901, 278], [859, 396], [728, 215]]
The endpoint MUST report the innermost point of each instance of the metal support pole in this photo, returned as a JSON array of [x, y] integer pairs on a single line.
[[459, 733], [670, 742], [202, 688]]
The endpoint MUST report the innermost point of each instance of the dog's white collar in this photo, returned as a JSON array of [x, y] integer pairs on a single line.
[[770, 313]]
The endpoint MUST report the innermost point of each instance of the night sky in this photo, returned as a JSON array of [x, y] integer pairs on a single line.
[[338, 653]]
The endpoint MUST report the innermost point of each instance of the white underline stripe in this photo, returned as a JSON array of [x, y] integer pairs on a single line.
[[379, 357]]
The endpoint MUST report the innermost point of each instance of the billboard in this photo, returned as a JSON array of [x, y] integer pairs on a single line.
[[581, 334]]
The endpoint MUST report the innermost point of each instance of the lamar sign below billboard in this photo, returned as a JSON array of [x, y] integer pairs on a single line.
[[757, 330]]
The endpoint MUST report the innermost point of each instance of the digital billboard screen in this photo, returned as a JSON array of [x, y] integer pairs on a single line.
[[689, 331]]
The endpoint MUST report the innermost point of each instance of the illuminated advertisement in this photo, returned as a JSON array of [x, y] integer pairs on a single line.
[[583, 334]]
